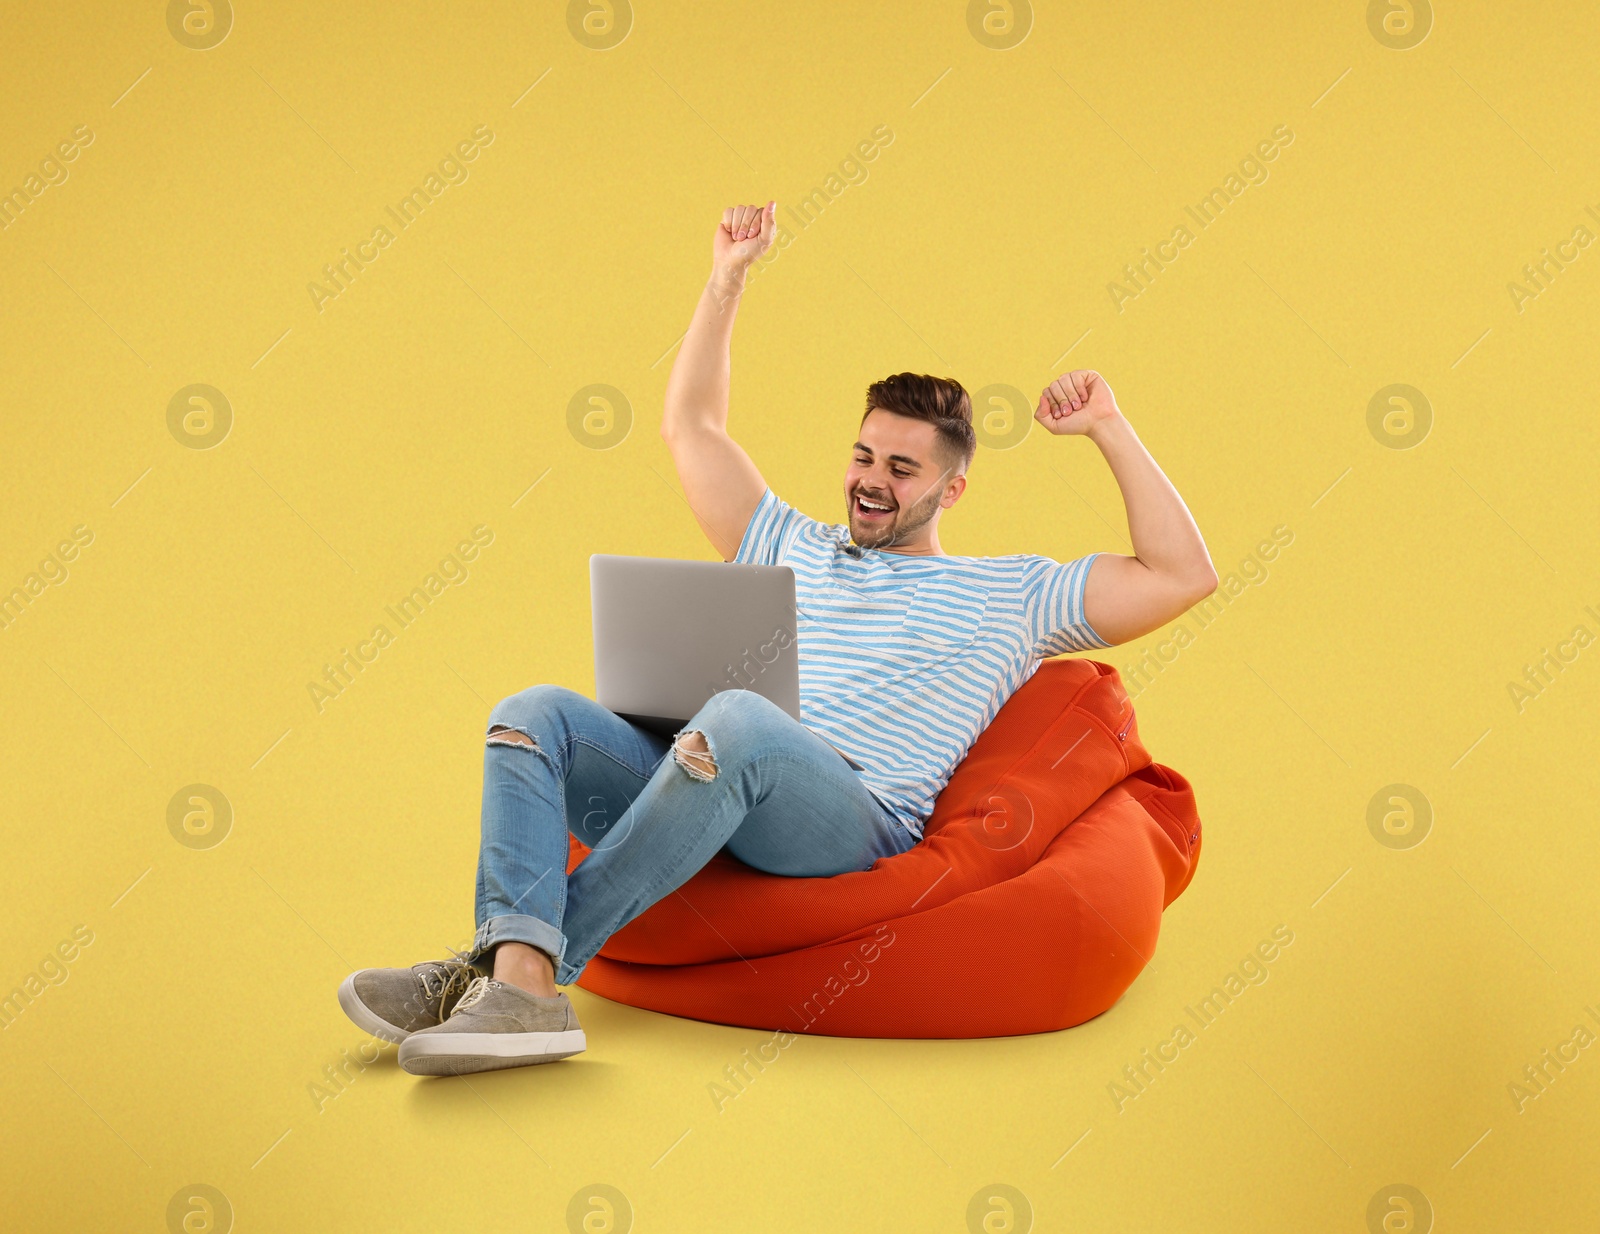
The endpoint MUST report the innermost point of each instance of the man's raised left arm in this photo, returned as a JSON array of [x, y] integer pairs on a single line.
[[1170, 571]]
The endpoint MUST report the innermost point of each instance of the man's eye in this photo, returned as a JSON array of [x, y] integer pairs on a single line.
[[899, 475]]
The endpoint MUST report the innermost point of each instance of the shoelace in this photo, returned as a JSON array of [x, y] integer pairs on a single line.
[[478, 987], [461, 973]]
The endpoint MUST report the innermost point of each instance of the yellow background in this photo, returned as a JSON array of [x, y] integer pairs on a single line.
[[367, 439]]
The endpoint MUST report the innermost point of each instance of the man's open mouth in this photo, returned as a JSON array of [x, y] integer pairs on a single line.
[[871, 510]]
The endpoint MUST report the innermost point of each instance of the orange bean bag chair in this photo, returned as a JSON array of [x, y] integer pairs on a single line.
[[1031, 904]]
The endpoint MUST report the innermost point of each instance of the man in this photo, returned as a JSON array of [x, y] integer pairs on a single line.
[[906, 654]]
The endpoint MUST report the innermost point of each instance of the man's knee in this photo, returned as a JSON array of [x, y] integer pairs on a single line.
[[693, 753], [726, 712], [517, 719]]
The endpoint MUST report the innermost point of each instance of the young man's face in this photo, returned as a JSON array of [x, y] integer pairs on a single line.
[[897, 463]]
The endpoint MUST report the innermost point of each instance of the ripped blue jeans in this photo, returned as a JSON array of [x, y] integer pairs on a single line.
[[653, 812]]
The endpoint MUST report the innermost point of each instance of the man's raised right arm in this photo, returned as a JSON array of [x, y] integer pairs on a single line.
[[721, 483]]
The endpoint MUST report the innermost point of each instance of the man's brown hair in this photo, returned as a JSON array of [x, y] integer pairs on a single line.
[[941, 401]]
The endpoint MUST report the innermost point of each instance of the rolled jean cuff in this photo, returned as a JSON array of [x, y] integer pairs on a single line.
[[566, 974], [519, 928]]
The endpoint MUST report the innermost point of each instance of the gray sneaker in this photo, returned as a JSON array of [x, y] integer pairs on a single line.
[[495, 1025], [393, 1003]]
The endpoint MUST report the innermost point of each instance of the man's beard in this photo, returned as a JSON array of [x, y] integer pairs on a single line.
[[905, 524]]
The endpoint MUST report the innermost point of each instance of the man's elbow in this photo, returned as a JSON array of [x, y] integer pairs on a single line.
[[1201, 585], [677, 427]]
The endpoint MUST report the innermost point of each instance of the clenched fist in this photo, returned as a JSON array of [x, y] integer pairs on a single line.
[[1076, 402], [745, 233]]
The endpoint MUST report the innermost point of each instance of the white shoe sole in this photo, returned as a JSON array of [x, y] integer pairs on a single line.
[[463, 1053], [364, 1017]]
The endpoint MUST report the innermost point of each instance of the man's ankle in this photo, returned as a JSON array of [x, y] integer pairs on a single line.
[[525, 967]]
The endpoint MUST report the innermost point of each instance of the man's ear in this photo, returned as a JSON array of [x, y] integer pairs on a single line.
[[953, 491]]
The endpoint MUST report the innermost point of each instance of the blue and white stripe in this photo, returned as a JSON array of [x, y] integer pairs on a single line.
[[905, 660]]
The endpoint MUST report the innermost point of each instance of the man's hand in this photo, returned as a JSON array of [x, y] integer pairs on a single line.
[[745, 233], [1076, 402]]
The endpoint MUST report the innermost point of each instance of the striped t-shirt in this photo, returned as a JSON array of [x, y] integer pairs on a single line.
[[904, 660]]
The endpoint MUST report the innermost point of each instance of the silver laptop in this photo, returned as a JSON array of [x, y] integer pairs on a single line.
[[669, 634]]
